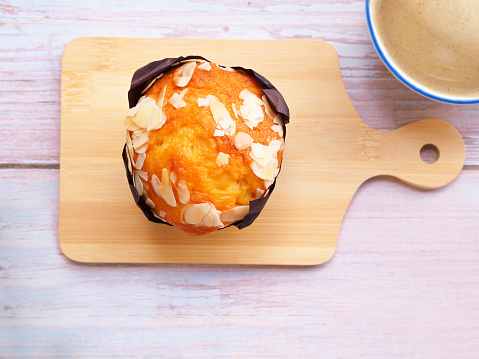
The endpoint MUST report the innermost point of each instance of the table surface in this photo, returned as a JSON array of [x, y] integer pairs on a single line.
[[404, 281]]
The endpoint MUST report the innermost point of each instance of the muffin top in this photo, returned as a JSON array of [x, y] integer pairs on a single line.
[[203, 142]]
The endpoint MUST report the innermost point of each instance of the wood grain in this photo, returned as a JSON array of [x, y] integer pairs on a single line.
[[408, 286], [328, 145], [34, 36]]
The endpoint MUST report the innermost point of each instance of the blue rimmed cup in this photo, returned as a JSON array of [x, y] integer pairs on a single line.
[[403, 77]]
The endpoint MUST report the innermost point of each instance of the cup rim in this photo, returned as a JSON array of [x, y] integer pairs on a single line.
[[401, 77]]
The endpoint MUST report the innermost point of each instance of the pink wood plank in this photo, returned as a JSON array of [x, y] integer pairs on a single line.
[[35, 33], [404, 280]]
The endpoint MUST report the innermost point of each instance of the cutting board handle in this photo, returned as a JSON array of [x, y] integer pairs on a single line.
[[400, 153]]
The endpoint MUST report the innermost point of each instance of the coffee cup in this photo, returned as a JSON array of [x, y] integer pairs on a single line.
[[430, 46]]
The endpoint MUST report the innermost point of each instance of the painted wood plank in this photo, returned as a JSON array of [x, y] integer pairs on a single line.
[[35, 33], [409, 286]]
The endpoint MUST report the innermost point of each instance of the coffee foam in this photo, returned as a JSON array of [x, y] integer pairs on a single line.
[[436, 43]]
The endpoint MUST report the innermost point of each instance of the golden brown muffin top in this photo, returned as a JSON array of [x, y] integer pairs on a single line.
[[204, 142]]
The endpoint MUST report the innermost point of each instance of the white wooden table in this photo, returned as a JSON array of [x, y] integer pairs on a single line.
[[404, 281]]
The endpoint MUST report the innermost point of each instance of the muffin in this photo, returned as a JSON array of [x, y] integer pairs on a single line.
[[203, 142]]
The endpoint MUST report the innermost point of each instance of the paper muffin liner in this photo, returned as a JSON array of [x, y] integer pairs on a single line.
[[143, 76]]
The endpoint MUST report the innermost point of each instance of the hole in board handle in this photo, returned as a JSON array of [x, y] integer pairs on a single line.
[[429, 153]]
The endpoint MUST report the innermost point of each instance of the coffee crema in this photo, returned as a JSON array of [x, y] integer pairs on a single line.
[[434, 42]]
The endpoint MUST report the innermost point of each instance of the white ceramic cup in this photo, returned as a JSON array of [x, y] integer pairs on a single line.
[[400, 75]]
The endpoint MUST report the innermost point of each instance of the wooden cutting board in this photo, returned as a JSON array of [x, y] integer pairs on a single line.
[[329, 153]]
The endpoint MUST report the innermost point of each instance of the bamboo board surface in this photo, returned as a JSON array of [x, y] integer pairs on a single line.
[[329, 153]]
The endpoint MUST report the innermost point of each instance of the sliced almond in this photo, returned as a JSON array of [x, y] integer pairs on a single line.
[[259, 192], [140, 160], [278, 129], [222, 159], [130, 125], [173, 177], [144, 113], [162, 214], [219, 111], [163, 189], [150, 203], [143, 175], [267, 108], [161, 97], [183, 192], [234, 110], [194, 213], [138, 185], [251, 111], [278, 119], [204, 66], [261, 154], [212, 218], [268, 183], [129, 161], [243, 140], [218, 133], [234, 214], [205, 102], [245, 94], [265, 172], [177, 101], [226, 68], [183, 93], [140, 140], [152, 82], [142, 149], [157, 120], [184, 74]]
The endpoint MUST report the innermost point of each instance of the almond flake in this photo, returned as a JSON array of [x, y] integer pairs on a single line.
[[130, 125], [157, 120], [143, 175], [261, 154], [251, 111], [234, 110], [276, 145], [226, 68], [163, 188], [141, 149], [212, 218], [218, 133], [268, 183], [162, 214], [194, 213], [245, 94], [140, 160], [129, 161], [268, 108], [129, 145], [177, 101], [204, 66], [222, 159], [278, 129], [140, 140], [243, 140], [259, 192], [161, 97], [150, 203], [173, 177], [265, 172], [144, 113], [152, 82], [183, 192], [234, 214], [138, 185], [204, 102], [183, 93], [184, 74], [278, 119]]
